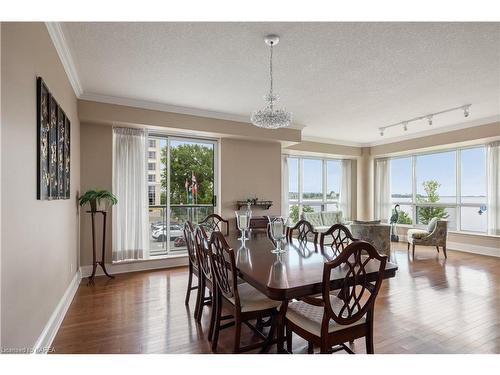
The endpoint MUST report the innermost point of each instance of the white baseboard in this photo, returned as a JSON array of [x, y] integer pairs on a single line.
[[143, 265], [475, 249], [49, 332], [467, 248]]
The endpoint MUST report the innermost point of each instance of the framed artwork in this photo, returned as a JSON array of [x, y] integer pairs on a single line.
[[53, 149]]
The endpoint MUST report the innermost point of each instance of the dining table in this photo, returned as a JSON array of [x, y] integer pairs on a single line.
[[297, 272]]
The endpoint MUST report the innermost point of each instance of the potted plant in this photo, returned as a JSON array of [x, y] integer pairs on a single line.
[[99, 200]]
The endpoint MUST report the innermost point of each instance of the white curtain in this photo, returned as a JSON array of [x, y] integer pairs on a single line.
[[493, 160], [345, 190], [382, 190], [130, 221], [284, 186]]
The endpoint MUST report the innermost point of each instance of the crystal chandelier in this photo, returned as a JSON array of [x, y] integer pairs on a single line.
[[270, 117]]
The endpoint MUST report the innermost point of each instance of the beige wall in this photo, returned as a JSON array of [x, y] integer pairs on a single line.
[[103, 113], [96, 142], [309, 148], [250, 169], [455, 137], [39, 238]]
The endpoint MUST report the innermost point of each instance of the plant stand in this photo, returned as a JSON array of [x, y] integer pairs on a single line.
[[96, 262]]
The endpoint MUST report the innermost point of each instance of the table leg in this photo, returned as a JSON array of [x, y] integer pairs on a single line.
[[94, 262], [103, 259], [280, 331]]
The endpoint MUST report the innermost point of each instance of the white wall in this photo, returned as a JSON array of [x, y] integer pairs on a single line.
[[39, 238]]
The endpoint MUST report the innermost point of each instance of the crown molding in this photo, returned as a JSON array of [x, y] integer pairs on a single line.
[[61, 45], [332, 141]]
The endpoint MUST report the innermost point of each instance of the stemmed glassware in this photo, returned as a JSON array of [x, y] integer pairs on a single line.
[[278, 232], [243, 222]]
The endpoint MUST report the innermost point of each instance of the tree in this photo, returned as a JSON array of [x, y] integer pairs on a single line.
[[185, 160], [425, 214], [294, 212], [404, 218]]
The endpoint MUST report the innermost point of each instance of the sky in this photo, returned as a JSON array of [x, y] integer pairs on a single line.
[[442, 168], [313, 175]]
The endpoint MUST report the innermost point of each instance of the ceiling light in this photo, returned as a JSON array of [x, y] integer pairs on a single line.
[[269, 117], [429, 119], [381, 132], [405, 126], [466, 110]]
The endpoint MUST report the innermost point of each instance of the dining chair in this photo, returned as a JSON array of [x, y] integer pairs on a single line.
[[305, 231], [336, 238], [213, 222], [334, 319], [243, 301], [192, 260], [205, 280]]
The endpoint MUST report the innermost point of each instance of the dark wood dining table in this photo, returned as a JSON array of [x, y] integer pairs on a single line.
[[296, 273]]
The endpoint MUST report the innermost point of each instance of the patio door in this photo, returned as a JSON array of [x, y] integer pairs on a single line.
[[182, 176]]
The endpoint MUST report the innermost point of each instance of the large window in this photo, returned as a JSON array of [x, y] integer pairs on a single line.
[[450, 184], [313, 185], [181, 187]]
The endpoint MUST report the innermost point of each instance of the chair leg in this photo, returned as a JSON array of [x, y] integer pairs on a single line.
[[218, 313], [237, 335], [188, 291], [413, 251], [444, 251], [200, 299], [288, 339], [213, 314], [369, 342], [408, 246], [310, 347], [437, 248]]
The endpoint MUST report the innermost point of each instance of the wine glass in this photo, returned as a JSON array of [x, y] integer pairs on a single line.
[[243, 222], [278, 233]]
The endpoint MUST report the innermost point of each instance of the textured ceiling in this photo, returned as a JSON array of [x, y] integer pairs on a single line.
[[342, 81]]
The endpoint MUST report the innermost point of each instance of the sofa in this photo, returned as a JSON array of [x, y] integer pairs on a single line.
[[375, 233], [322, 221]]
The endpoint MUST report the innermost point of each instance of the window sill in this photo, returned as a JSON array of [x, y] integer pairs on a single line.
[[151, 259], [473, 234]]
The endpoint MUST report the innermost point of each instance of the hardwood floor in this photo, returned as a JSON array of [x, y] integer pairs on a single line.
[[433, 305]]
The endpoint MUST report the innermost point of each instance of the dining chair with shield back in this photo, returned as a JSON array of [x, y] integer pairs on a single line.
[[192, 260], [335, 318], [244, 302], [214, 222], [335, 239], [305, 232]]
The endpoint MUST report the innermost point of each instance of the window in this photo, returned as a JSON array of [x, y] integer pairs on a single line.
[[313, 185], [181, 187], [151, 195], [152, 154], [449, 184], [152, 143]]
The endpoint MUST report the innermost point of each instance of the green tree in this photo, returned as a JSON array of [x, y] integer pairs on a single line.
[[185, 160], [404, 218], [425, 214], [294, 212]]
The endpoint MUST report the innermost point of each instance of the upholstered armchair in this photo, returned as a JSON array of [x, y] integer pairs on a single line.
[[435, 235]]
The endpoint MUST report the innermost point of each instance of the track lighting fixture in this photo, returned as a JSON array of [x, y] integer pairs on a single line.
[[466, 109], [429, 117]]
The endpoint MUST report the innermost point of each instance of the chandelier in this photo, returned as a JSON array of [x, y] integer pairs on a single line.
[[270, 117]]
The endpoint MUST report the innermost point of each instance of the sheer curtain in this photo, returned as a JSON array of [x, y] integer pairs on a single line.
[[493, 160], [284, 186], [382, 190], [130, 221], [345, 190]]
